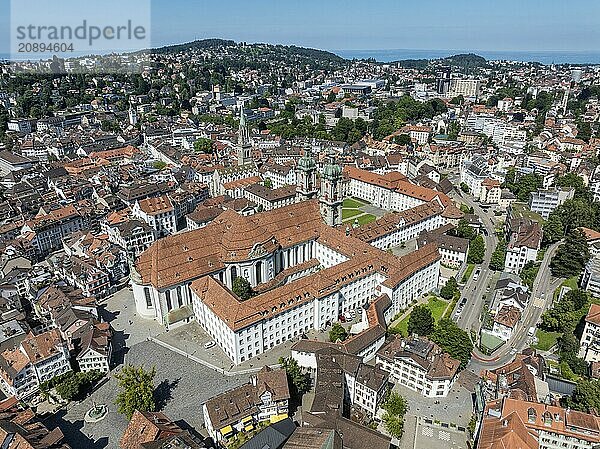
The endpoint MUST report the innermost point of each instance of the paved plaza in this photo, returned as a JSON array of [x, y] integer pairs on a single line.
[[456, 408], [431, 435], [182, 387]]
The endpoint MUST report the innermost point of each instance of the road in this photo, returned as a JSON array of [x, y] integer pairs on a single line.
[[474, 290], [541, 299]]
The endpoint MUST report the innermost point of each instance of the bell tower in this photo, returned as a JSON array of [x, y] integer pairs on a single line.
[[244, 146], [330, 198], [307, 176]]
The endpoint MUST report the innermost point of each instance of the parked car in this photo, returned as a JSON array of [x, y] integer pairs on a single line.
[[209, 344]]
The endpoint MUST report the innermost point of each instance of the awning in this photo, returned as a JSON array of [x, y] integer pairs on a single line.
[[249, 427], [247, 419], [277, 418], [227, 430]]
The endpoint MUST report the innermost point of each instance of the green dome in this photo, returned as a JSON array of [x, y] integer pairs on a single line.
[[332, 171], [307, 162]]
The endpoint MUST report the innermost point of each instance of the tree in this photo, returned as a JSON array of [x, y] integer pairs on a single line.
[[576, 213], [586, 396], [299, 381], [572, 180], [136, 390], [203, 145], [421, 321], [159, 165], [553, 228], [498, 256], [393, 424], [268, 183], [523, 187], [464, 187], [566, 313], [466, 210], [337, 333], [395, 407], [403, 139], [453, 340], [528, 273], [448, 290], [571, 256], [464, 230], [453, 130], [242, 288], [476, 250]]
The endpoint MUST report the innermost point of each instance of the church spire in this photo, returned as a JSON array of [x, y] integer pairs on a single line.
[[243, 132], [244, 146]]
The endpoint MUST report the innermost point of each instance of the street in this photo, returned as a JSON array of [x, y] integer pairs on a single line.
[[474, 290]]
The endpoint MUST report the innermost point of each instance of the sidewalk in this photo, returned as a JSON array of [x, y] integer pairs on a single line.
[[421, 300]]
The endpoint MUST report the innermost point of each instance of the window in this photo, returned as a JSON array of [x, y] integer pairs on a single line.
[[168, 298], [148, 298]]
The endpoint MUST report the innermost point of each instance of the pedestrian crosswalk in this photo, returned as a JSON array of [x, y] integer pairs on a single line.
[[538, 302]]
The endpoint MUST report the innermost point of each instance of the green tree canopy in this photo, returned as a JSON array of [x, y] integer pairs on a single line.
[[159, 165], [402, 139], [464, 230], [298, 380], [553, 229], [395, 407], [499, 256], [566, 312], [337, 333], [421, 321], [203, 145], [571, 256], [586, 396], [453, 340], [136, 390], [572, 180], [476, 250], [242, 288], [448, 290], [525, 185]]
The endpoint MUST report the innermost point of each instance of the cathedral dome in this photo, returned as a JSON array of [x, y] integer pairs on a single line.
[[307, 162], [332, 171]]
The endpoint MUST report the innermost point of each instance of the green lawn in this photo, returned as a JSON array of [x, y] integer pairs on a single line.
[[351, 203], [367, 218], [437, 307], [546, 340], [572, 283], [348, 213]]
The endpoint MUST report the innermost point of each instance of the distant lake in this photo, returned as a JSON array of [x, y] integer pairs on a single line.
[[545, 57]]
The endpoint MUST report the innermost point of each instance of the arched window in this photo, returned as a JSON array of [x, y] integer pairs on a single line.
[[258, 272], [531, 415], [233, 274]]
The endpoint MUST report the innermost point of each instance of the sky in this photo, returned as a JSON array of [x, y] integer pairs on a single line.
[[492, 25]]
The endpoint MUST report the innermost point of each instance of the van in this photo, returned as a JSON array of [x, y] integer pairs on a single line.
[[476, 275], [209, 344]]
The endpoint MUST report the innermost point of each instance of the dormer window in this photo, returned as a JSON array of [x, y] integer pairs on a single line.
[[531, 415]]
